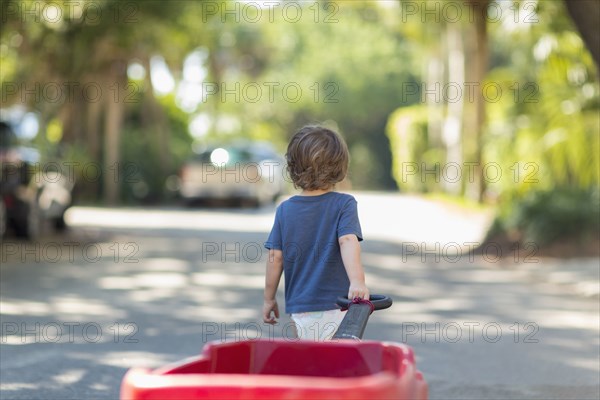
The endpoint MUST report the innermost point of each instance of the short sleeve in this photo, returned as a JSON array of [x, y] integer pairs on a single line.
[[274, 240], [348, 222]]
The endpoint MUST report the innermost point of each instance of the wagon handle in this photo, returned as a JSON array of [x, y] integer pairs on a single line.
[[379, 301], [355, 321]]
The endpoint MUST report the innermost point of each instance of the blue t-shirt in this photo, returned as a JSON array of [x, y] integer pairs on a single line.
[[307, 229]]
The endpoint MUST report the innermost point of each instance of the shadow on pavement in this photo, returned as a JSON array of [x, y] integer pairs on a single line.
[[147, 296]]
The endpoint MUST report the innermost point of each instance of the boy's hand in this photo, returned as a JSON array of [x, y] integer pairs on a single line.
[[358, 289], [268, 307]]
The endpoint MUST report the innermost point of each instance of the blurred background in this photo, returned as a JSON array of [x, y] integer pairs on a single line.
[[142, 149], [486, 102]]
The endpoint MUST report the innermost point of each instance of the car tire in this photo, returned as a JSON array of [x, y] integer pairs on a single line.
[[3, 218], [31, 224], [59, 224]]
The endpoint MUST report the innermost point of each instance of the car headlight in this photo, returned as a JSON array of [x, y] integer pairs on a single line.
[[219, 157]]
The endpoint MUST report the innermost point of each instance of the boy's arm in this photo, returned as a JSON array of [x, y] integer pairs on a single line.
[[273, 275], [350, 250]]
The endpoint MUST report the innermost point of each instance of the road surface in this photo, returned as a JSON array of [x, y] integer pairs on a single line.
[[144, 287]]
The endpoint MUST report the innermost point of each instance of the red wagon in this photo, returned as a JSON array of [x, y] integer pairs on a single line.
[[288, 369]]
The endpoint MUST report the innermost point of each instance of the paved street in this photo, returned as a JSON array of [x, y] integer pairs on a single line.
[[143, 287]]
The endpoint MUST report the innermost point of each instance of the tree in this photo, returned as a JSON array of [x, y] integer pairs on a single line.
[[478, 62], [90, 48], [586, 15]]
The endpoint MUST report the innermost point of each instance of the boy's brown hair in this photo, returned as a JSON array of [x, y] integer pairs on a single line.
[[317, 158]]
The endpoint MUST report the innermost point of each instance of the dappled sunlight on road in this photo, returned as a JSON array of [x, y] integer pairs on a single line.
[[166, 280], [69, 377], [218, 279], [175, 279], [82, 307], [577, 320], [125, 359], [141, 218], [384, 216], [408, 218], [66, 306], [585, 363], [14, 386], [494, 315], [23, 307]]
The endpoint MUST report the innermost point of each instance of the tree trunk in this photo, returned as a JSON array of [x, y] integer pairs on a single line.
[[586, 15], [216, 74], [452, 130], [94, 110], [93, 137], [433, 99], [71, 117], [112, 132], [154, 123], [478, 66]]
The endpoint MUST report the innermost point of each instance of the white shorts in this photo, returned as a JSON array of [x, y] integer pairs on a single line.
[[317, 325]]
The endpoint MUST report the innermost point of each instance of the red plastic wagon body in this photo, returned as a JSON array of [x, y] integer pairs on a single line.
[[284, 369]]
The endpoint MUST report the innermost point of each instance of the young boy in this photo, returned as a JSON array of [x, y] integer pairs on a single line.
[[314, 239]]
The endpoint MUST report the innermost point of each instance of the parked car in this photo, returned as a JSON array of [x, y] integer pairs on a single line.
[[31, 194], [242, 172]]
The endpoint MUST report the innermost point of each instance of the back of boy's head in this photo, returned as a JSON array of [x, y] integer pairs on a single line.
[[317, 158]]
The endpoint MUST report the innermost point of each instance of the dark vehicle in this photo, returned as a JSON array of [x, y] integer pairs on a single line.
[[31, 194], [243, 172]]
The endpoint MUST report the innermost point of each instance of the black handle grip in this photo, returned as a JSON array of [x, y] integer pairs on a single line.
[[355, 321], [380, 302]]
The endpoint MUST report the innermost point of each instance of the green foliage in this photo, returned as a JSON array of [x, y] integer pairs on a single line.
[[339, 70], [140, 175], [547, 133], [352, 71], [179, 137], [542, 133], [412, 149], [545, 216], [551, 123]]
